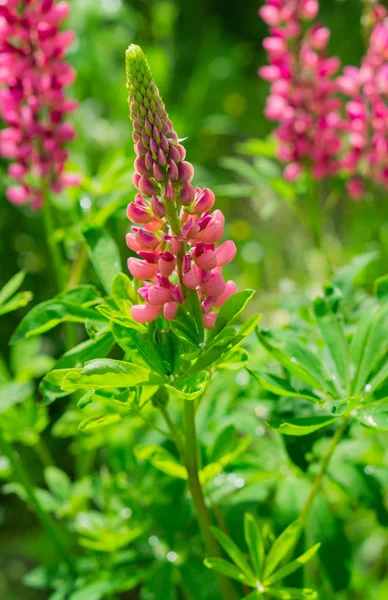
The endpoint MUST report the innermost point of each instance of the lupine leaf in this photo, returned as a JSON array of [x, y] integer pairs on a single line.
[[369, 346], [72, 306], [332, 332], [190, 387], [226, 568], [234, 552], [230, 310], [291, 594], [282, 387], [104, 255], [13, 393], [11, 287], [292, 566], [161, 459], [281, 546], [300, 425], [107, 373], [255, 543], [375, 417], [99, 421]]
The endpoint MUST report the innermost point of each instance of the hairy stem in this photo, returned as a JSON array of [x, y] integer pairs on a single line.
[[202, 511], [25, 482]]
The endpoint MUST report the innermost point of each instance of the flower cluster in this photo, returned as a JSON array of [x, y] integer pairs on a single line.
[[366, 113], [33, 75], [175, 232], [302, 98]]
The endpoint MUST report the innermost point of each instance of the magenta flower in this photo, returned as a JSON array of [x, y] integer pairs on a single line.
[[366, 112], [303, 93], [33, 103], [177, 241]]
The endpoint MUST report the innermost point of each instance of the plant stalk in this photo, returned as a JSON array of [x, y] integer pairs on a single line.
[[202, 511], [322, 471], [24, 480], [55, 254]]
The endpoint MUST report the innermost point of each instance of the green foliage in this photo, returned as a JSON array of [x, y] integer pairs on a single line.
[[263, 571]]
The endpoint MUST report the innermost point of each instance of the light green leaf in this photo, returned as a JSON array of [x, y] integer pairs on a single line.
[[11, 287], [234, 553], [227, 569], [292, 566], [94, 591], [369, 345], [230, 310], [281, 546], [375, 417], [104, 255], [282, 387], [13, 393], [100, 421], [255, 543], [161, 459], [58, 482], [50, 387], [18, 301], [291, 594], [105, 373], [190, 387], [297, 359], [300, 425], [71, 306]]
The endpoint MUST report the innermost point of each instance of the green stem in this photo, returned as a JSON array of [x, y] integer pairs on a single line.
[[317, 225], [175, 434], [322, 471], [55, 254], [26, 483], [44, 453], [202, 511]]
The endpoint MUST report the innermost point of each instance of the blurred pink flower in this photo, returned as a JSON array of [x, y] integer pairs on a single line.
[[33, 103], [303, 97]]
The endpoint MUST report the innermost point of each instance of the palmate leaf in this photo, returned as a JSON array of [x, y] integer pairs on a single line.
[[298, 360], [190, 387], [331, 328], [369, 345], [282, 387]]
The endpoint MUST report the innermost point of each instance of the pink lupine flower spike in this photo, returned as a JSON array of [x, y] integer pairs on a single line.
[[33, 103], [175, 234]]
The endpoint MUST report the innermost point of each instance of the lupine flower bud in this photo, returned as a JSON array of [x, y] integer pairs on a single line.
[[33, 103], [176, 245]]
